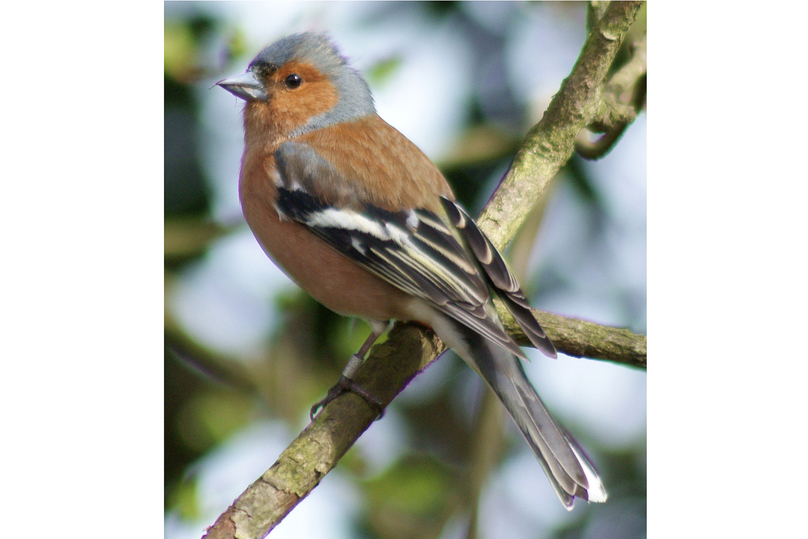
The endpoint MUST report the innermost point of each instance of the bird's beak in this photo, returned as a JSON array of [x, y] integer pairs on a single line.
[[246, 86]]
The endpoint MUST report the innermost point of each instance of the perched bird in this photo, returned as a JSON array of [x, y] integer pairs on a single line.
[[363, 221]]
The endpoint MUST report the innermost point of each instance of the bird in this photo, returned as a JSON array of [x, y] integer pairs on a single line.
[[361, 219]]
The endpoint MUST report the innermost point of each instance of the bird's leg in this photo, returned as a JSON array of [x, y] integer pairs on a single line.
[[346, 382]]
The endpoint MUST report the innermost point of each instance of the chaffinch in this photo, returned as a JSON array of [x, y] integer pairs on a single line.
[[363, 221]]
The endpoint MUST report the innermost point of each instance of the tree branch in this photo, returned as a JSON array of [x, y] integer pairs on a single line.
[[622, 100], [411, 348], [580, 338], [551, 142]]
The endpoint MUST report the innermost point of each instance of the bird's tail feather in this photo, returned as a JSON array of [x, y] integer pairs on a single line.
[[565, 464]]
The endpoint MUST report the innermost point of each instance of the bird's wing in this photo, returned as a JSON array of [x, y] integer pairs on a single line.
[[499, 276], [412, 249]]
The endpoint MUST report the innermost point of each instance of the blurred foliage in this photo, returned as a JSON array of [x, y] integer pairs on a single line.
[[208, 397], [411, 499]]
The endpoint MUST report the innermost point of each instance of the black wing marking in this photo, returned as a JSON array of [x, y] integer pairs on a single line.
[[412, 249], [500, 276]]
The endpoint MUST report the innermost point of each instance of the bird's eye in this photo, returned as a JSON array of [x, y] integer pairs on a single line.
[[293, 81]]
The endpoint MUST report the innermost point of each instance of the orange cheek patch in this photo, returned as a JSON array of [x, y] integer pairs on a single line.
[[315, 96]]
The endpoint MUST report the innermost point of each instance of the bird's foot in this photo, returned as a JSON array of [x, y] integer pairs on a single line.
[[346, 384]]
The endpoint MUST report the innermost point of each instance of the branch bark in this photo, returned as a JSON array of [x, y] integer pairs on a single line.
[[622, 100], [551, 142], [411, 348]]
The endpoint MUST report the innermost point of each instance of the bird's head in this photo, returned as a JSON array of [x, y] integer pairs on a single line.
[[299, 84]]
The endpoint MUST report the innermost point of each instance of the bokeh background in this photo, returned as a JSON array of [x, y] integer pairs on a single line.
[[247, 353]]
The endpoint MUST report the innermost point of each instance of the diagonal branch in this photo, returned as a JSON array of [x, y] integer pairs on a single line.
[[550, 143], [622, 100], [411, 348]]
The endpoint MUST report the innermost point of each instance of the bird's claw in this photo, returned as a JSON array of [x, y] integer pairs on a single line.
[[346, 384]]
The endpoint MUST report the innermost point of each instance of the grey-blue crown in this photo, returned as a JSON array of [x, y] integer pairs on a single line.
[[318, 50]]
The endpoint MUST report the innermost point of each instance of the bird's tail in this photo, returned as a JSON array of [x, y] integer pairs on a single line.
[[565, 464]]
